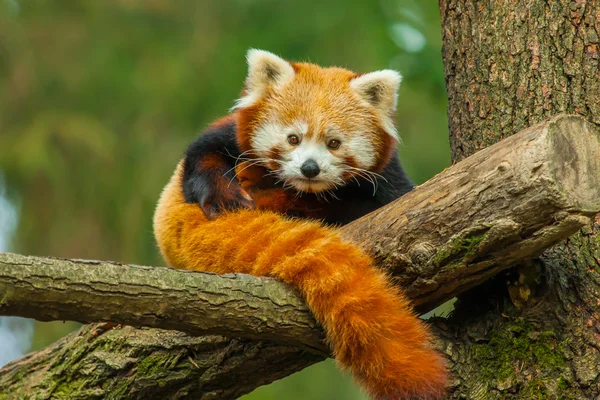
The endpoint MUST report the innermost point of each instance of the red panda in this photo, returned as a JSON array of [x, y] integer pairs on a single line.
[[260, 192]]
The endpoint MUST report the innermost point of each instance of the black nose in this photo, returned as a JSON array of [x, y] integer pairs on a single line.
[[310, 169]]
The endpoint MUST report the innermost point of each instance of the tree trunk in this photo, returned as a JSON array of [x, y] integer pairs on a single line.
[[532, 333]]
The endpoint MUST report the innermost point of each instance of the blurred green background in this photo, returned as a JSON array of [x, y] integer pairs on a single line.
[[99, 99]]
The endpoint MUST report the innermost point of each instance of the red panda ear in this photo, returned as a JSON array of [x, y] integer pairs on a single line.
[[264, 70], [380, 90]]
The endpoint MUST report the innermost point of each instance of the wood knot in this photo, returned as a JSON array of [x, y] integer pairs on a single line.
[[421, 253], [503, 166]]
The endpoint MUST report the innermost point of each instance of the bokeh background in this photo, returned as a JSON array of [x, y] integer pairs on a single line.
[[99, 99]]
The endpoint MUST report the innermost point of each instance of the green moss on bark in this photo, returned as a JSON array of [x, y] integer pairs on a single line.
[[460, 247], [515, 355]]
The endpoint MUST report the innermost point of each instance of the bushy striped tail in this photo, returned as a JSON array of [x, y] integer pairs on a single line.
[[369, 324]]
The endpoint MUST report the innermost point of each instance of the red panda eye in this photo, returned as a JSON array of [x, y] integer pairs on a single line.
[[334, 144], [294, 140]]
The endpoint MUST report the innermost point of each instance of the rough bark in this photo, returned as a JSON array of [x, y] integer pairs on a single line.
[[519, 198], [98, 362], [196, 303], [512, 63], [532, 333]]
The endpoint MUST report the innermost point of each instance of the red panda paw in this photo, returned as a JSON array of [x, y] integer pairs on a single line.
[[217, 201]]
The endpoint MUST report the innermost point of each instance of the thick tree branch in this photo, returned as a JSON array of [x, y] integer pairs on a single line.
[[504, 204], [97, 362], [196, 303]]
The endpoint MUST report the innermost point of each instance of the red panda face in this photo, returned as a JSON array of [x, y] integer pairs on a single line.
[[316, 128]]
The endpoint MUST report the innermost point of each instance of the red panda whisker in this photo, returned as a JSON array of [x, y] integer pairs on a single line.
[[276, 175], [243, 153], [373, 177], [371, 173], [330, 193], [286, 186], [275, 172], [337, 183], [322, 196], [366, 177], [299, 192], [246, 152], [234, 167], [378, 176], [254, 162], [237, 172], [333, 194], [237, 160], [228, 153], [265, 160], [273, 160]]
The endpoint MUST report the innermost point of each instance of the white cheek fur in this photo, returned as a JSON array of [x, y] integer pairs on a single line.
[[362, 149], [266, 138]]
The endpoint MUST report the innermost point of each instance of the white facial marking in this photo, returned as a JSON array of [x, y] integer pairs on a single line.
[[358, 145], [266, 138], [361, 148], [331, 163]]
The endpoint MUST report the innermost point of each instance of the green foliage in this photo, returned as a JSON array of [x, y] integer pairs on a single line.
[[320, 381], [99, 99]]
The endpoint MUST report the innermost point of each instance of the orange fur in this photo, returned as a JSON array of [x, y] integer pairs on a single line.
[[212, 161], [368, 322]]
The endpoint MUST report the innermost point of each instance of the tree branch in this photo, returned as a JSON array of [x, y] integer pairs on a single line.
[[504, 204], [197, 303], [127, 363]]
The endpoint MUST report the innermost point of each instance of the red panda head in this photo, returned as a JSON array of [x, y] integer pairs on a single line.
[[316, 128]]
